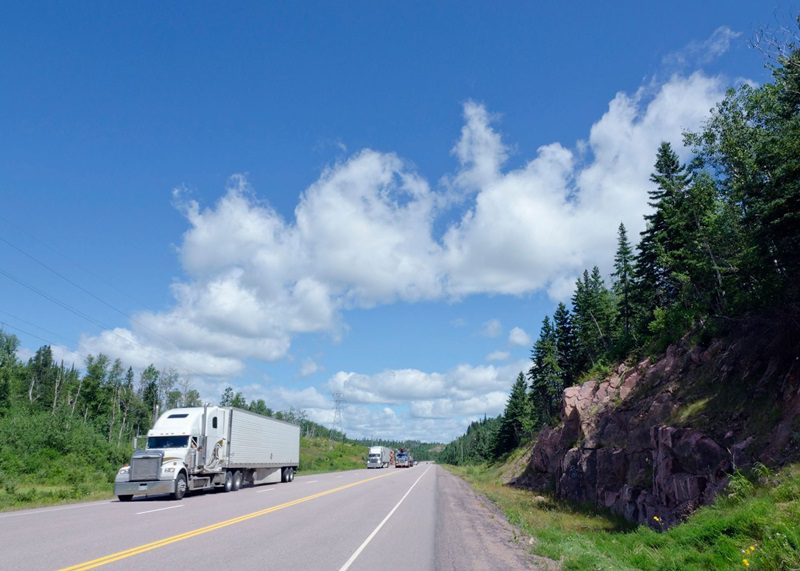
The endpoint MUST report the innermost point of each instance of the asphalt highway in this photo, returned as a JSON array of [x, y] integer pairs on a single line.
[[413, 519]]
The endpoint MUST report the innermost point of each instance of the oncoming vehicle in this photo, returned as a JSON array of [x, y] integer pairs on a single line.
[[210, 447], [403, 459], [379, 457]]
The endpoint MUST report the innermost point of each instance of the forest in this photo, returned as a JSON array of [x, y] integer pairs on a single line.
[[722, 242]]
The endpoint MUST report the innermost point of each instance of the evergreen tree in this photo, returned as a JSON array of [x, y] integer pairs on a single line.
[[148, 383], [593, 318], [622, 287], [655, 287], [516, 421], [546, 382], [565, 345], [227, 396]]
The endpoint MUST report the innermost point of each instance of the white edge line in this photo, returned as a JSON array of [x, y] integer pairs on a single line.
[[358, 551], [311, 482], [160, 509], [267, 490], [37, 511]]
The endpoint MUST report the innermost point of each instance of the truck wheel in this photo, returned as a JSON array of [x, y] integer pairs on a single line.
[[180, 487], [284, 474], [237, 480], [289, 474], [228, 482], [125, 497]]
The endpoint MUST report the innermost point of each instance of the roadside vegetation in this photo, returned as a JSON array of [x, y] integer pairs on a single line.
[[324, 455], [64, 433], [753, 526]]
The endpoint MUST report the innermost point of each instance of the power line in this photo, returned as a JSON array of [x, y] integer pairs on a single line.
[[86, 291], [97, 323], [66, 306], [88, 318], [63, 277], [62, 255], [6, 324], [17, 318]]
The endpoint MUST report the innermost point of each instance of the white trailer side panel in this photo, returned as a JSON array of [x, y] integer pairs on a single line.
[[258, 441]]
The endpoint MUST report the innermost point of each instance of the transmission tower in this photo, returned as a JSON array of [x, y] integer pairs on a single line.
[[337, 424]]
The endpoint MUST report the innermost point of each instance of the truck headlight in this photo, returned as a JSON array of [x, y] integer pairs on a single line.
[[124, 470], [169, 469]]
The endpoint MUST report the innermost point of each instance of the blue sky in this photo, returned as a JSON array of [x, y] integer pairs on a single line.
[[378, 199]]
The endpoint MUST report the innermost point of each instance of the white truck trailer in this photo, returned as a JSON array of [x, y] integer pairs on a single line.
[[379, 457], [210, 447]]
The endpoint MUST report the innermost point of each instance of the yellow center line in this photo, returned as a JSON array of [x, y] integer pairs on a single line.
[[94, 563]]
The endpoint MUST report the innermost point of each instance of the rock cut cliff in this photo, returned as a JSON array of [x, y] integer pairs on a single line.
[[662, 437]]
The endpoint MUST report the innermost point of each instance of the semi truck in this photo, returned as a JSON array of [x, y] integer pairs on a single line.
[[403, 458], [380, 457], [210, 448]]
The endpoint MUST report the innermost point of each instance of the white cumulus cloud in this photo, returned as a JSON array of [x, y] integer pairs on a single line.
[[517, 336], [371, 231]]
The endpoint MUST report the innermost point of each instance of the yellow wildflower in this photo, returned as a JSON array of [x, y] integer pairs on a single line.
[[746, 562]]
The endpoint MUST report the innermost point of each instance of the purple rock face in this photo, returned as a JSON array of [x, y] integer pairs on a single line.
[[623, 445]]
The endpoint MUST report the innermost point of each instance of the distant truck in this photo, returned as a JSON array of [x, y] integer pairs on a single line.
[[210, 447], [380, 457], [403, 458]]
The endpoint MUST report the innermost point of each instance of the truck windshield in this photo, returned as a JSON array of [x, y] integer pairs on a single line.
[[167, 441]]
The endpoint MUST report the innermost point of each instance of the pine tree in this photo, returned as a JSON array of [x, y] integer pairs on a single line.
[[565, 345], [148, 386], [227, 396], [654, 286], [623, 289], [547, 384], [593, 319], [516, 421]]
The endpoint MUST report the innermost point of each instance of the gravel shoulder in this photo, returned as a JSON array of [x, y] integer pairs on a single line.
[[472, 533]]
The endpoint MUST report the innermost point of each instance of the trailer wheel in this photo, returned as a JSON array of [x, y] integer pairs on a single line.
[[180, 487], [228, 482], [284, 474], [237, 480], [290, 474], [125, 497]]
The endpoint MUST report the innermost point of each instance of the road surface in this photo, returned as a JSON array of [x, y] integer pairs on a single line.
[[413, 519]]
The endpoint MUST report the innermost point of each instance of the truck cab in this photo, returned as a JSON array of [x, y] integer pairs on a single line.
[[181, 443]]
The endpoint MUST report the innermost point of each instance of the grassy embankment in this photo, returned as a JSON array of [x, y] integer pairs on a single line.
[[42, 464], [754, 526], [323, 455]]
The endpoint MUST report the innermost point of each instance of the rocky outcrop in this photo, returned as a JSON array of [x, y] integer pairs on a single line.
[[654, 441]]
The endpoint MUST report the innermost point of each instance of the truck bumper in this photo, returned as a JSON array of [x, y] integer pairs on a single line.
[[151, 488]]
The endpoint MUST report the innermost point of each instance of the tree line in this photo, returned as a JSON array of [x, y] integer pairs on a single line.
[[722, 241]]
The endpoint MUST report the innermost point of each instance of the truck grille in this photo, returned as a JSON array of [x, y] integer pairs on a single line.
[[143, 469]]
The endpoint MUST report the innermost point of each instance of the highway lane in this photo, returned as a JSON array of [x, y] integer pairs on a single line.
[[339, 521]]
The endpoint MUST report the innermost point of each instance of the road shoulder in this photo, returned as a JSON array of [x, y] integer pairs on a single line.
[[472, 532]]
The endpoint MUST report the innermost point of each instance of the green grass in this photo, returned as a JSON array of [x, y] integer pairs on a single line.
[[323, 455], [28, 495], [767, 517]]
